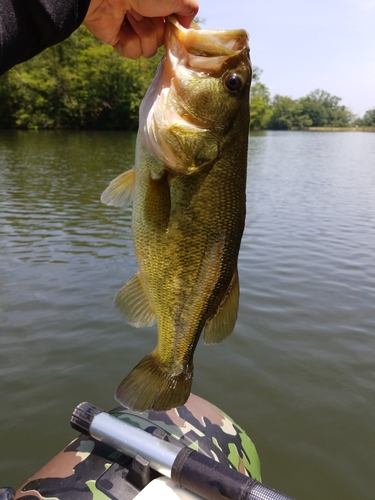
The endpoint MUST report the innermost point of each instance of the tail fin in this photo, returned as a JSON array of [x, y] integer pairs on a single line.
[[148, 387]]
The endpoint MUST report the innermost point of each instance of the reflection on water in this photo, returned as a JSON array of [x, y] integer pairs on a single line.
[[298, 373]]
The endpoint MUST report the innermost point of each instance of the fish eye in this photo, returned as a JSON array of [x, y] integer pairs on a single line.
[[233, 82]]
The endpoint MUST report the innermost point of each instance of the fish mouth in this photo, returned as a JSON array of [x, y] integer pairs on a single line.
[[189, 52], [202, 50]]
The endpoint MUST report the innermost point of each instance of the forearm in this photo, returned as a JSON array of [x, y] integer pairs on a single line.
[[29, 26]]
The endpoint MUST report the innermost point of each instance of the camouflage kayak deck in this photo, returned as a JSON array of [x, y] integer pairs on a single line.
[[88, 469]]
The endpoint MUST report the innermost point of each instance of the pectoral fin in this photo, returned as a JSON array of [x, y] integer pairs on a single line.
[[222, 324], [133, 301], [120, 191]]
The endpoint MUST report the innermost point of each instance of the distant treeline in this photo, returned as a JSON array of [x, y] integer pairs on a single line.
[[78, 84], [83, 84], [317, 109]]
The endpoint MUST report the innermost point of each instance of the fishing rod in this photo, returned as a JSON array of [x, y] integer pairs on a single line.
[[186, 467]]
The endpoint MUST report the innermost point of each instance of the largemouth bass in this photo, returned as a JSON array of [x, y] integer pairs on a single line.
[[188, 193]]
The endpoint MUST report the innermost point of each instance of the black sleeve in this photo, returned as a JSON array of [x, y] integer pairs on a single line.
[[29, 26]]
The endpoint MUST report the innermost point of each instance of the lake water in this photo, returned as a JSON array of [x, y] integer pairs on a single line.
[[298, 373]]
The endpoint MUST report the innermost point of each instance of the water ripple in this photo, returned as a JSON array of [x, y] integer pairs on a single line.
[[301, 359]]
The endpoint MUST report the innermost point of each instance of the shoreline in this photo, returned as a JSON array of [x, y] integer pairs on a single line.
[[340, 129]]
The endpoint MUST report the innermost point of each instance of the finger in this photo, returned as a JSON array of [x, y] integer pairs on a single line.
[[185, 10], [185, 21], [159, 25], [158, 22], [187, 13], [147, 34], [136, 15], [128, 43]]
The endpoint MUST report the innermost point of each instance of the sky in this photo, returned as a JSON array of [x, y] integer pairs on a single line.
[[305, 45]]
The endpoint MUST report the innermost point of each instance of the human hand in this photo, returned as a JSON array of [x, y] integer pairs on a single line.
[[136, 27]]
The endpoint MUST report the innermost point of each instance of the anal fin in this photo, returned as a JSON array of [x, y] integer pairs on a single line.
[[133, 302], [222, 324], [120, 191]]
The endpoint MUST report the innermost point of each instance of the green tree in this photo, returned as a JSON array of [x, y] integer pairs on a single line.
[[260, 101], [287, 114], [79, 83], [324, 109], [317, 113], [5, 116], [368, 119]]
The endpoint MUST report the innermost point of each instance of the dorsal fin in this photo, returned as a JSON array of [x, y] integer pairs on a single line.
[[134, 303], [222, 324], [120, 191]]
